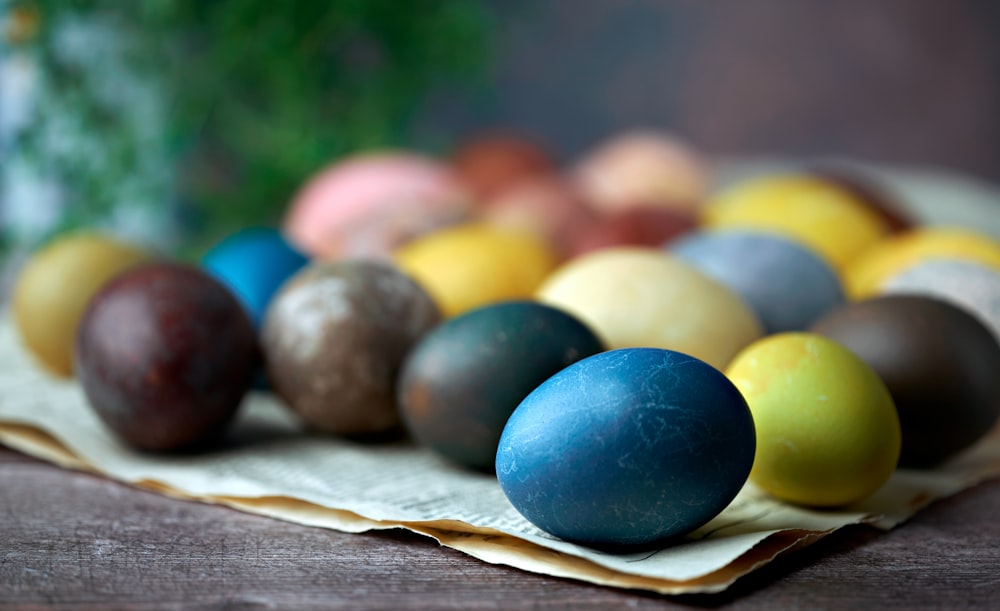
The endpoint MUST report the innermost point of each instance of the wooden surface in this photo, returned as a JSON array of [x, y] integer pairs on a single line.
[[76, 541]]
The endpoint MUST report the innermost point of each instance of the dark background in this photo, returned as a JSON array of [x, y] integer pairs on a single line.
[[905, 81]]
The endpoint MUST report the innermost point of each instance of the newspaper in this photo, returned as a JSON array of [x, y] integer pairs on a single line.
[[270, 466]]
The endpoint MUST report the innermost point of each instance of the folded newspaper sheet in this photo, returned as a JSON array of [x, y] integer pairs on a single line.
[[270, 466]]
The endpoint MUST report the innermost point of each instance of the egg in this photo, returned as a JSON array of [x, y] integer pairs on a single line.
[[804, 208], [637, 226], [254, 263], [788, 285], [963, 283], [461, 382], [867, 190], [866, 275], [941, 365], [634, 297], [55, 285], [334, 340], [627, 448], [643, 167], [827, 430], [471, 265], [365, 205], [490, 163]]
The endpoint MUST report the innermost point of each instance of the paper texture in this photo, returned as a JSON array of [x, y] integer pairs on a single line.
[[269, 465]]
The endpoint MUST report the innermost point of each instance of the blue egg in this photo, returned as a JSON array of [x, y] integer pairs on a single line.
[[254, 263], [787, 285], [627, 448]]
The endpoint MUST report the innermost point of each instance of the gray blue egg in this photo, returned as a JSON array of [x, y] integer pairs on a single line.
[[786, 284]]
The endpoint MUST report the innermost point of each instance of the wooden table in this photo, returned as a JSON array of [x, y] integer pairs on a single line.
[[76, 541]]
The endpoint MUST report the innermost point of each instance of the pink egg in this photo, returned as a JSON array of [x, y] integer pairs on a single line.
[[548, 206], [643, 166], [368, 204]]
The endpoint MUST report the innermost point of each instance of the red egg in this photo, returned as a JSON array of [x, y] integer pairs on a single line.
[[869, 192], [633, 226], [367, 205], [490, 163]]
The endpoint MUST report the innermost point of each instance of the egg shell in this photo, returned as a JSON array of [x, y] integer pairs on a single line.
[[366, 205], [489, 164], [254, 263], [627, 448], [461, 382], [56, 284], [634, 297], [643, 167], [787, 285], [804, 208], [636, 226], [868, 273], [966, 284], [939, 362], [471, 265], [827, 432], [335, 337]]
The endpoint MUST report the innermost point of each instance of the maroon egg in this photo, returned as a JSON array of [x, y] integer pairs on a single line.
[[941, 365], [490, 163], [866, 190], [635, 226], [165, 354]]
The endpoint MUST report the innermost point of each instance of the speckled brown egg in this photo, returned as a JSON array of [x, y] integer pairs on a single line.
[[334, 339], [941, 365]]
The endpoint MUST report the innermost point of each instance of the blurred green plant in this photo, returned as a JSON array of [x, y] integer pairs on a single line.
[[222, 108]]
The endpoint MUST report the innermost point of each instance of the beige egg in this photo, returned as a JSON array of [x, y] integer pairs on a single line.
[[634, 297]]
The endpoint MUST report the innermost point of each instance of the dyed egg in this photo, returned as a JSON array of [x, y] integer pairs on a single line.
[[335, 337], [165, 355], [54, 286], [827, 430], [942, 367], [461, 382], [643, 297], [810, 210], [787, 285], [643, 168], [366, 205], [254, 263], [547, 206], [639, 226], [627, 448], [491, 163], [866, 275], [866, 190], [467, 266], [963, 283]]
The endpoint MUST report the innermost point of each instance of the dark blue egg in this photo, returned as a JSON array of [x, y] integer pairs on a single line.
[[627, 448], [788, 285], [254, 263]]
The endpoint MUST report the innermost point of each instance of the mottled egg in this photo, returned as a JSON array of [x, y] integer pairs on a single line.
[[643, 167], [788, 285], [627, 448], [335, 337], [827, 431], [867, 274], [368, 204], [254, 263], [461, 382], [940, 363], [964, 283], [56, 284], [489, 164], [804, 208], [633, 297], [471, 265]]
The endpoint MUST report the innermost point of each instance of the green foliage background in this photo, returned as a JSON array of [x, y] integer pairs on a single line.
[[259, 94]]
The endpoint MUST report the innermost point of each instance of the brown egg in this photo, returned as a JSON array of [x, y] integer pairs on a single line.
[[490, 163], [634, 226], [941, 365], [867, 190]]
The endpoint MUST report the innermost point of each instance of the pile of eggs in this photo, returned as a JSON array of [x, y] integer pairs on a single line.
[[622, 344]]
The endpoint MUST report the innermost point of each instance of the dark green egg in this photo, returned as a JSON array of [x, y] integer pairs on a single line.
[[461, 382]]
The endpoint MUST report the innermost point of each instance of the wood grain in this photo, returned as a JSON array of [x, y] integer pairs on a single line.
[[70, 540]]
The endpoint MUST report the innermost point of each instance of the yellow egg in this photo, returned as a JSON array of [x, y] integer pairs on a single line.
[[467, 266], [866, 275], [55, 286], [827, 430], [634, 297], [814, 212]]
